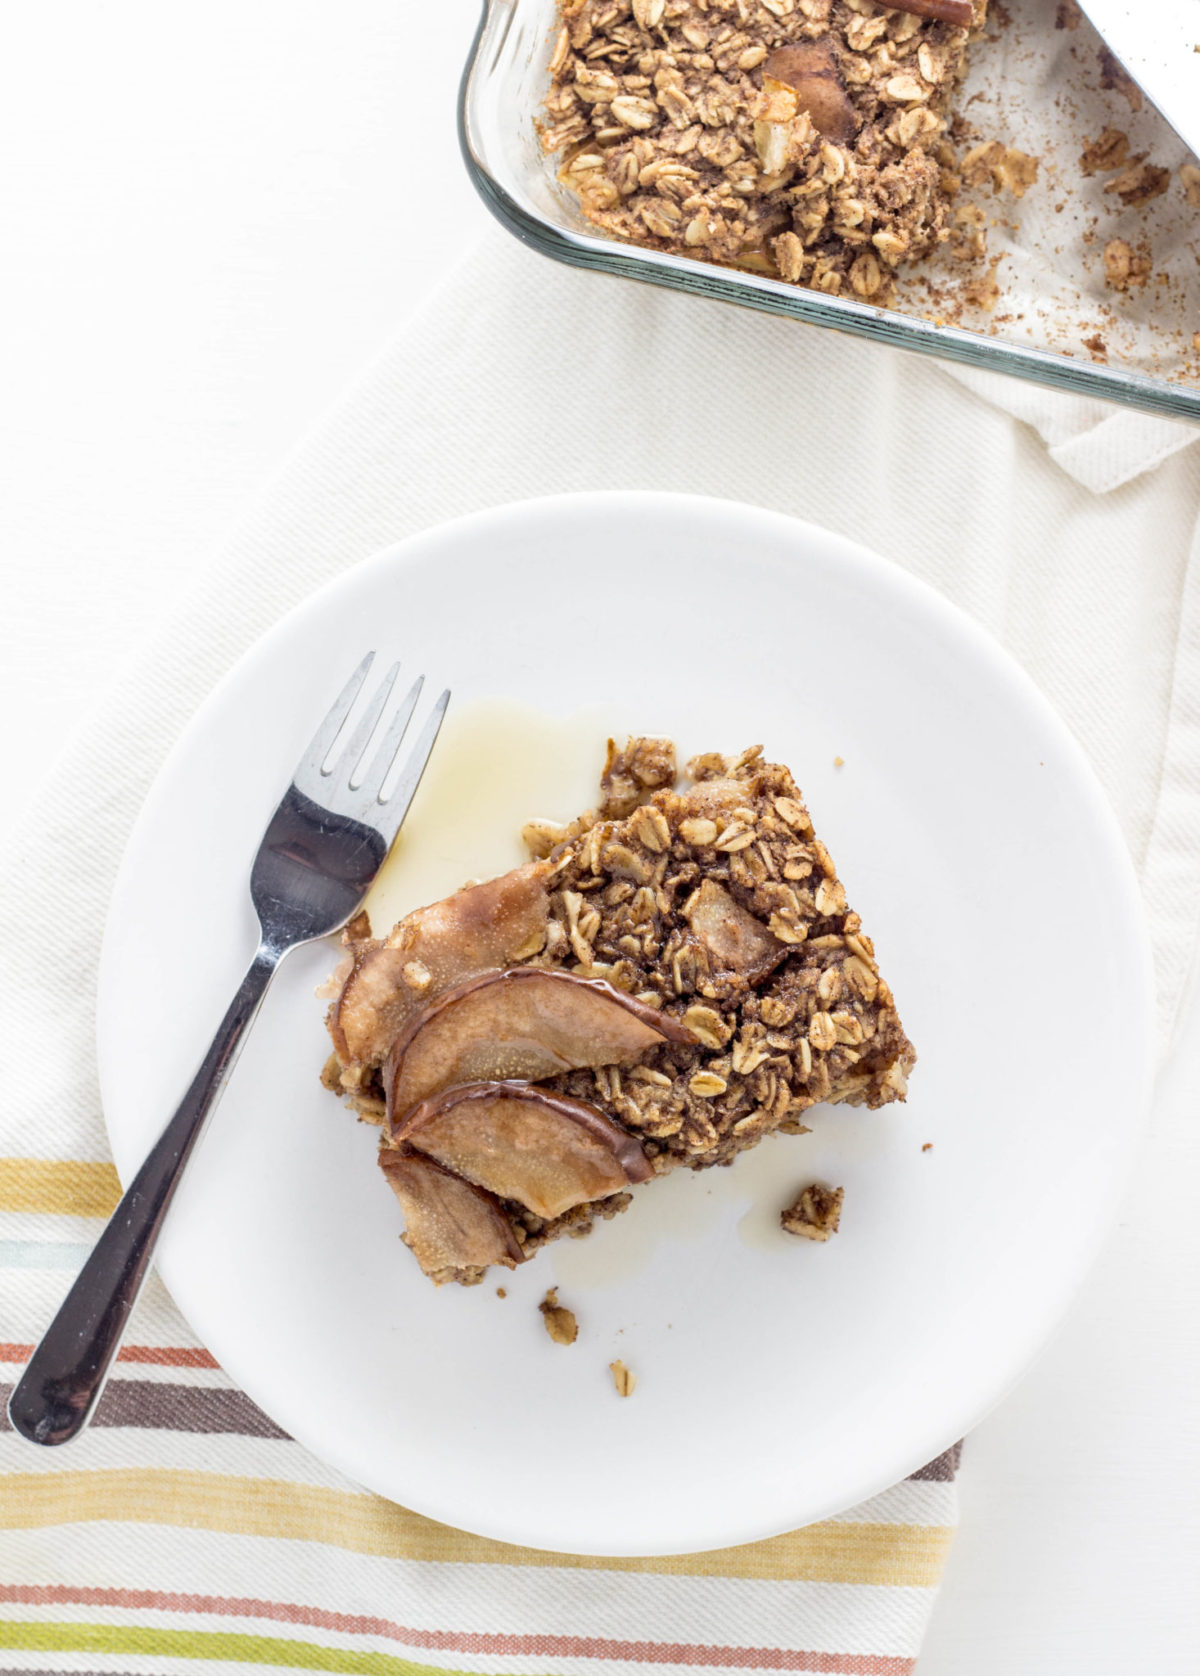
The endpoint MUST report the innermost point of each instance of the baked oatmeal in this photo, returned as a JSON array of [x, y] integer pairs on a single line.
[[801, 138], [674, 975]]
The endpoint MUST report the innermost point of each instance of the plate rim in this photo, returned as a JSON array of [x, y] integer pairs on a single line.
[[1106, 831]]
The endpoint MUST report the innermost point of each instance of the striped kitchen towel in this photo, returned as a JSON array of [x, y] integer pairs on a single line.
[[184, 1526]]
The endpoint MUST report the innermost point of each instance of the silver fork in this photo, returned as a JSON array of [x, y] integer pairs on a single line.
[[322, 849]]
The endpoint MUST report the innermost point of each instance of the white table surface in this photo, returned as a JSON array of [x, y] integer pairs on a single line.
[[210, 219]]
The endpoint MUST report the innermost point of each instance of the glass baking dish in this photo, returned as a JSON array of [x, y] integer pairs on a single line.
[[502, 90]]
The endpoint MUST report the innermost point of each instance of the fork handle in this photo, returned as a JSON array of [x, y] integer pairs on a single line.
[[66, 1373]]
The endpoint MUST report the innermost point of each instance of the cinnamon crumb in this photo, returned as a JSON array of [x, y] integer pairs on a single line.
[[1126, 268], [1139, 183], [1007, 168], [928, 1147], [815, 1214], [983, 291], [500, 1292], [1107, 152]]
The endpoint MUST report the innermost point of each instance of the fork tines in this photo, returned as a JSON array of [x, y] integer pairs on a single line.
[[325, 782]]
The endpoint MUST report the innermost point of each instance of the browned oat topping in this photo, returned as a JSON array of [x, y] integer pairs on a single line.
[[815, 1214], [803, 138], [720, 904]]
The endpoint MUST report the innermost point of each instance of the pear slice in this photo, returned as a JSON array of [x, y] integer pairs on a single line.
[[522, 1024], [432, 949], [544, 1150], [810, 69], [736, 941], [449, 1225]]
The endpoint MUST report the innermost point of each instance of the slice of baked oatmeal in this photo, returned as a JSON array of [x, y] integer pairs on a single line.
[[674, 975], [801, 138]]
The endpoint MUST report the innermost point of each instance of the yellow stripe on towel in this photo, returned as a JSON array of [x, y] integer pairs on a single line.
[[58, 1187], [899, 1556]]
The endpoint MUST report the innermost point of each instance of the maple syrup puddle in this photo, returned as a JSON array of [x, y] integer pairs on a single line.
[[496, 765]]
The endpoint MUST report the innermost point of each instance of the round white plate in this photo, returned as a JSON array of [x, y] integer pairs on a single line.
[[779, 1381]]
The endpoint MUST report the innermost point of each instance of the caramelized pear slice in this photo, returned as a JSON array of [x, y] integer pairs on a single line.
[[450, 1226], [736, 940], [544, 1150], [432, 949], [524, 1024], [810, 69]]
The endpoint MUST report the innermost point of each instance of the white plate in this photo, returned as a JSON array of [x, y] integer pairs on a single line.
[[1159, 44], [779, 1381]]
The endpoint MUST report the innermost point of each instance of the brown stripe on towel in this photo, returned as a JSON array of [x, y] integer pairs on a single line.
[[172, 1408], [942, 1471]]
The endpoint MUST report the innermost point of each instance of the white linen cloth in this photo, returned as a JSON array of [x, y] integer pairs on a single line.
[[1066, 527]]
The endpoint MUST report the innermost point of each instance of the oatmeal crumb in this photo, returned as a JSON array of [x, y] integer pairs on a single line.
[[815, 1214], [623, 1379], [560, 1321], [1008, 169], [1139, 183], [1108, 152], [983, 290], [501, 1292], [1126, 269]]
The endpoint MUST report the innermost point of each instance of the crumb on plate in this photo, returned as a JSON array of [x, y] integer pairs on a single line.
[[815, 1212], [560, 1321], [623, 1379]]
